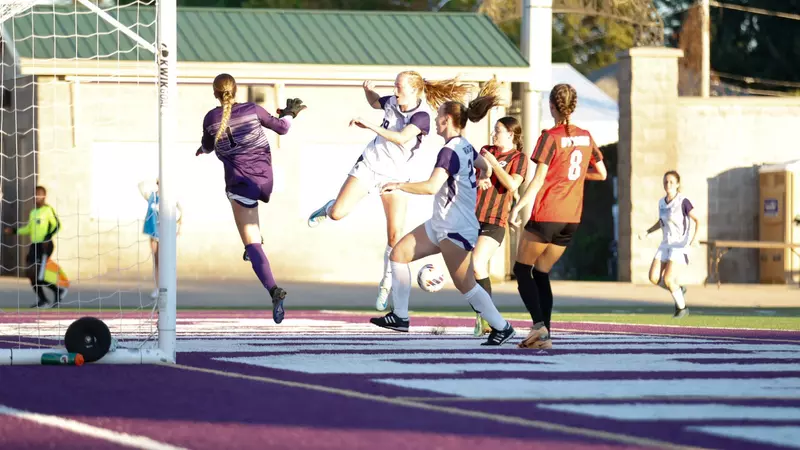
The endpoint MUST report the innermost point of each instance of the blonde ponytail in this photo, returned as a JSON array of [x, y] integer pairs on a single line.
[[436, 92], [227, 106], [225, 92]]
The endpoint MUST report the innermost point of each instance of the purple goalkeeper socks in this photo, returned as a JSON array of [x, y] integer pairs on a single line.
[[260, 265]]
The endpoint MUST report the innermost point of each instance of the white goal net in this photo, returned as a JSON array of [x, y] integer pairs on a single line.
[[86, 121]]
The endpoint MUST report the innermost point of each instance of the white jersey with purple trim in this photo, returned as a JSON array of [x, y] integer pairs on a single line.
[[388, 159], [675, 224], [454, 204]]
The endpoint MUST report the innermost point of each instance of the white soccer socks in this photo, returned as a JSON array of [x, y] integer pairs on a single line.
[[482, 303], [677, 296], [386, 281], [401, 288]]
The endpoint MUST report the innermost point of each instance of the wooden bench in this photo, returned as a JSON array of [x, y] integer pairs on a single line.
[[718, 248]]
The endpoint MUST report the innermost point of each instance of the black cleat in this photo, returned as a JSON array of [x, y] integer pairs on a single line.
[[42, 305], [500, 337], [391, 321], [680, 313], [277, 294]]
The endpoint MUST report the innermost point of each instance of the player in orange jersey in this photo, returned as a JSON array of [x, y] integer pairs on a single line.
[[565, 156], [495, 196]]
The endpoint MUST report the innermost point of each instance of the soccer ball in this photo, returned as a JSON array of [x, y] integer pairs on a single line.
[[430, 278]]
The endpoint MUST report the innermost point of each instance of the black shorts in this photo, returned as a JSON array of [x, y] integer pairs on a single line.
[[556, 233], [495, 232], [39, 252]]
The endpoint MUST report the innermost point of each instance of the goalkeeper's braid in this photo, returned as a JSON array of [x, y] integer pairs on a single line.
[[225, 91]]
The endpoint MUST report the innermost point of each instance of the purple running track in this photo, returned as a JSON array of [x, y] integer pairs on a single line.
[[253, 400]]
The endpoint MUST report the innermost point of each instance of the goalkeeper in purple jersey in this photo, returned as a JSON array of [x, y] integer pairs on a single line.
[[234, 131]]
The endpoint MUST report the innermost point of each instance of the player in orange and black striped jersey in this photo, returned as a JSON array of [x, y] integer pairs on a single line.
[[495, 195], [565, 156]]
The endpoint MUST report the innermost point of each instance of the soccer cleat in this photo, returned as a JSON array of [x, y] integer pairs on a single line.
[[319, 216], [538, 338], [41, 305], [391, 321], [481, 326], [277, 294], [500, 337], [680, 312], [382, 302]]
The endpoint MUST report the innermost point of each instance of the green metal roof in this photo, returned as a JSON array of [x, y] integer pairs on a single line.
[[275, 36]]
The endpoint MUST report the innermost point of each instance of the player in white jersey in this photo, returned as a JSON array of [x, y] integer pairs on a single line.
[[675, 214], [407, 121], [453, 228]]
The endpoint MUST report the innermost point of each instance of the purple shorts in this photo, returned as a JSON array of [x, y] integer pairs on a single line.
[[247, 184]]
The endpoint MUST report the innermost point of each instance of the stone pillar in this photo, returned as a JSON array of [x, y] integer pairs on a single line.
[[648, 97]]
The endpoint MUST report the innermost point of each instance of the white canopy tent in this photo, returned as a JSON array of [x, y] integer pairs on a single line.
[[596, 112]]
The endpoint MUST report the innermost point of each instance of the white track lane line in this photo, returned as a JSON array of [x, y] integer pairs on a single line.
[[74, 426]]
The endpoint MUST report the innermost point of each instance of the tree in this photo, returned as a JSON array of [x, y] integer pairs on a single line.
[[757, 45], [744, 44], [212, 3], [586, 41], [673, 13], [588, 37]]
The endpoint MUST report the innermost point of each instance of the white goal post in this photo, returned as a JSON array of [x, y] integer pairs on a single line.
[[143, 324]]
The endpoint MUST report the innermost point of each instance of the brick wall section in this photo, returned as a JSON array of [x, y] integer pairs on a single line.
[[716, 144], [722, 142], [648, 80]]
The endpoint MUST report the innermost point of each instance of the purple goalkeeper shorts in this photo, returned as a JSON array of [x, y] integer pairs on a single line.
[[247, 184]]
